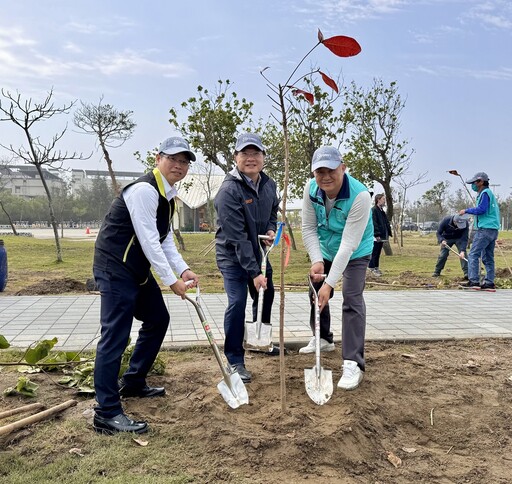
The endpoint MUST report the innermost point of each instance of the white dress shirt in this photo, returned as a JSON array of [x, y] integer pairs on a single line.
[[142, 202]]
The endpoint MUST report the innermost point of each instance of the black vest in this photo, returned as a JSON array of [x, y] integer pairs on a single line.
[[117, 249]]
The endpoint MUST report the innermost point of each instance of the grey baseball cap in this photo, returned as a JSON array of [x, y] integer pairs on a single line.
[[478, 176], [326, 157], [175, 145], [460, 221], [249, 139]]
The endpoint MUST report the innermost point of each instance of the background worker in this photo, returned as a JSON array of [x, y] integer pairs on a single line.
[[452, 230], [381, 232], [486, 224], [337, 230]]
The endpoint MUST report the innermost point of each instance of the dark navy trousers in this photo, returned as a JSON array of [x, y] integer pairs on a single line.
[[236, 282], [122, 299]]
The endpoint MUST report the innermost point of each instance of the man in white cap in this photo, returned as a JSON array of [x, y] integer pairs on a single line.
[[452, 230], [246, 206], [337, 230], [486, 225], [136, 235]]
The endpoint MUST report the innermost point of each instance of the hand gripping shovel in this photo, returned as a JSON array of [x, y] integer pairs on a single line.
[[231, 387], [318, 380], [453, 250], [258, 335]]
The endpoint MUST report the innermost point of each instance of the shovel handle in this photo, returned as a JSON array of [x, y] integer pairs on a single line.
[[197, 305], [317, 321], [452, 249]]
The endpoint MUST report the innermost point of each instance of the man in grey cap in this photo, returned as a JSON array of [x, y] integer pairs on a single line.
[[136, 235], [337, 230], [246, 206], [486, 225], [452, 230]]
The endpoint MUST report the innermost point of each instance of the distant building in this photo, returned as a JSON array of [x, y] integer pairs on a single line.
[[84, 178], [24, 180], [194, 191]]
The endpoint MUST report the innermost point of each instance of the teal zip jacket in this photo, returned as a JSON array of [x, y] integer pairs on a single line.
[[330, 229]]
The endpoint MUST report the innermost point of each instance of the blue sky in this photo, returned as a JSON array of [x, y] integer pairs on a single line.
[[452, 60]]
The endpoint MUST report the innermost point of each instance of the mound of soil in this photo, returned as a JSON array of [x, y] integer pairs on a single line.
[[53, 286], [428, 412]]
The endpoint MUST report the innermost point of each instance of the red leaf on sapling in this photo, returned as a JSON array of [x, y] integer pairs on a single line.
[[320, 36], [342, 46], [330, 82], [309, 97]]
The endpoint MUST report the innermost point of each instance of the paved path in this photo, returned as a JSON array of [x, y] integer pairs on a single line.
[[392, 315]]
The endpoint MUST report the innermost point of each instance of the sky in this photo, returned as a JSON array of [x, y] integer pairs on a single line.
[[451, 59]]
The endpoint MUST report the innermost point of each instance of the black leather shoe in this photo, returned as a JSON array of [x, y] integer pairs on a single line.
[[244, 373], [119, 423], [144, 392]]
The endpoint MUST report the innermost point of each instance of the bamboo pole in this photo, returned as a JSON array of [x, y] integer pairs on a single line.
[[37, 417], [25, 408]]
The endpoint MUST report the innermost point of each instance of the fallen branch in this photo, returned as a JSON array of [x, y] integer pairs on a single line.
[[38, 417], [25, 408]]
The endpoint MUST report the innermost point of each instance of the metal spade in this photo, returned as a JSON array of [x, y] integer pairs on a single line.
[[318, 380], [231, 387]]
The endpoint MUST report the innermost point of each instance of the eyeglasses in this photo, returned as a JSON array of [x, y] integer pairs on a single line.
[[250, 154], [178, 161]]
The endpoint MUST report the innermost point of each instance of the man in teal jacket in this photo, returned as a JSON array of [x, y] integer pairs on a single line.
[[337, 230], [486, 225]]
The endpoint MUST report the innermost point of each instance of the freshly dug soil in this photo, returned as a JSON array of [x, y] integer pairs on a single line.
[[436, 412]]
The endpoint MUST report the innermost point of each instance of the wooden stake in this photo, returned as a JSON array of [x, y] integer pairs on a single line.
[[38, 417], [26, 408]]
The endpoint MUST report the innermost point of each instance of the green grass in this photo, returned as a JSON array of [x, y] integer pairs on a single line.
[[32, 260]]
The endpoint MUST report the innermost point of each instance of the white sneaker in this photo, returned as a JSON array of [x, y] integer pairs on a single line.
[[352, 375], [311, 347]]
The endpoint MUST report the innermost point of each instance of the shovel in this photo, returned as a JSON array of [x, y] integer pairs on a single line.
[[318, 380], [258, 335], [231, 387], [453, 250]]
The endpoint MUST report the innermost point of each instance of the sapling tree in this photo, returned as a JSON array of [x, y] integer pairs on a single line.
[[341, 46]]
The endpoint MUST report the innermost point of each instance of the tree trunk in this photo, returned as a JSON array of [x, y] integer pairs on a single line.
[[115, 185], [180, 240], [53, 221], [387, 248], [14, 231]]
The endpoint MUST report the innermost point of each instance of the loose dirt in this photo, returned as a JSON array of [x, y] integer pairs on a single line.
[[437, 412]]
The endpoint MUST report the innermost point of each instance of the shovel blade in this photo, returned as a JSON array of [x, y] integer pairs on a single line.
[[255, 342], [234, 393], [318, 384]]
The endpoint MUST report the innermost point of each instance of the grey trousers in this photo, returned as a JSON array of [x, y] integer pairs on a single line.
[[353, 318]]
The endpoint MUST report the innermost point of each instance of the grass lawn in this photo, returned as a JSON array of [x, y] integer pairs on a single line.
[[33, 260]]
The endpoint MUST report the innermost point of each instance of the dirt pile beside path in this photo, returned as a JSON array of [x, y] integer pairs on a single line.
[[53, 286]]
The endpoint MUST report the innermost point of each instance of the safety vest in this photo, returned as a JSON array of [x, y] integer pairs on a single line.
[[330, 229]]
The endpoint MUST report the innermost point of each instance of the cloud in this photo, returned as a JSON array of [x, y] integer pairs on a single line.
[[492, 14], [500, 74], [14, 37], [351, 10], [22, 58]]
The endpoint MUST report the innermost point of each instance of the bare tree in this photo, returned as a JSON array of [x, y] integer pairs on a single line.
[[25, 113], [112, 127], [405, 185]]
